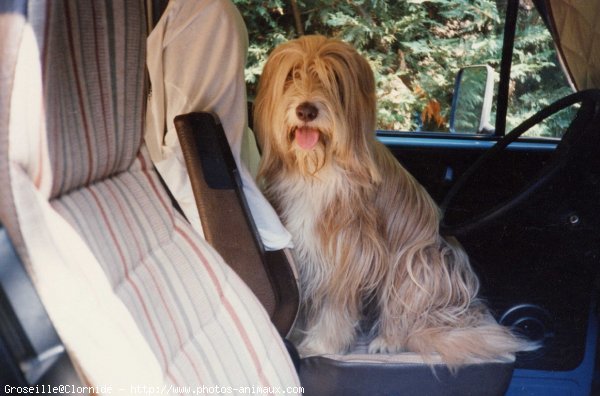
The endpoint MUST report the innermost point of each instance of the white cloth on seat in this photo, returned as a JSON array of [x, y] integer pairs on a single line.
[[196, 59]]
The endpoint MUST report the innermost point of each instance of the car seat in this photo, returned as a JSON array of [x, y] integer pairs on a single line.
[[136, 296]]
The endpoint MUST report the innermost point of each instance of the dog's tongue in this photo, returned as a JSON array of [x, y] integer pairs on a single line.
[[307, 137]]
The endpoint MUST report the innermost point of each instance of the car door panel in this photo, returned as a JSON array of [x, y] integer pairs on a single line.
[[527, 271]]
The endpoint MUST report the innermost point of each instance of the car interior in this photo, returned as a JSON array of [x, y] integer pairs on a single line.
[[103, 281]]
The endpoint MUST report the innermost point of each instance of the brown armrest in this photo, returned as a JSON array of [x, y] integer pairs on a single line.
[[226, 220]]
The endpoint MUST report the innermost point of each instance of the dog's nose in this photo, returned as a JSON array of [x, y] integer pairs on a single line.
[[306, 112]]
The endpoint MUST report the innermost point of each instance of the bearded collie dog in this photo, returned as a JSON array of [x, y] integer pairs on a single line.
[[366, 233]]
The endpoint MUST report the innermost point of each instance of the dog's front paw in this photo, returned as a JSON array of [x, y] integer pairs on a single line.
[[382, 345], [312, 346]]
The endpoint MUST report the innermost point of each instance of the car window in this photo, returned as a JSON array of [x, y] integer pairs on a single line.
[[416, 48], [537, 78]]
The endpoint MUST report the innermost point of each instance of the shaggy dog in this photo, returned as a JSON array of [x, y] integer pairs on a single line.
[[366, 235]]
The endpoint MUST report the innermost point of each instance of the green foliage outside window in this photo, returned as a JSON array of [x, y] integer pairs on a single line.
[[416, 47]]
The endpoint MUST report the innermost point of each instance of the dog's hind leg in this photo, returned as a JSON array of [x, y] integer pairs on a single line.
[[435, 310], [420, 285]]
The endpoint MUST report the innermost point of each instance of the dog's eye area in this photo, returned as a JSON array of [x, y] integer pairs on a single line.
[[289, 79]]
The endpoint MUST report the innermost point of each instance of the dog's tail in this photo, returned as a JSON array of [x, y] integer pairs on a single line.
[[487, 342]]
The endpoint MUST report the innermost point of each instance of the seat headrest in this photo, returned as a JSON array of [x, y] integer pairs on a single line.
[[92, 59]]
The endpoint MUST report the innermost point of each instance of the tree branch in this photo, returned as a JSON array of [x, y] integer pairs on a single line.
[[297, 18]]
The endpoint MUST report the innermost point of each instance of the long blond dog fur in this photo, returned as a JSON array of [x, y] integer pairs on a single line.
[[365, 231]]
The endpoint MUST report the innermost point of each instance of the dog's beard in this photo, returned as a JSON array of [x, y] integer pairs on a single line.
[[309, 162], [309, 158]]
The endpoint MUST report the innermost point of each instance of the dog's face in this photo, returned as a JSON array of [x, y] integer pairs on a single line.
[[315, 105]]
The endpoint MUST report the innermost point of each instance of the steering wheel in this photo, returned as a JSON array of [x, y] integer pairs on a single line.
[[457, 221]]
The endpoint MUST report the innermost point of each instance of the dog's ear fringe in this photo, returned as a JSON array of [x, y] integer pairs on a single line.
[[357, 82]]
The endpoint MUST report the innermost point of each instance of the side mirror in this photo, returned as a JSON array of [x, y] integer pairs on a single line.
[[472, 100]]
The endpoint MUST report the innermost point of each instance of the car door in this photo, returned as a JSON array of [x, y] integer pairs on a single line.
[[536, 267]]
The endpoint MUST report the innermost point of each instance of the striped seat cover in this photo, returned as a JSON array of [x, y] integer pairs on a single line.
[[136, 295]]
